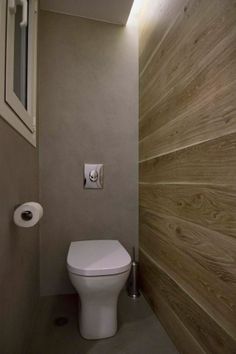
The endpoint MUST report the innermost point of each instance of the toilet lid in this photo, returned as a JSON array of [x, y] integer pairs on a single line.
[[97, 257]]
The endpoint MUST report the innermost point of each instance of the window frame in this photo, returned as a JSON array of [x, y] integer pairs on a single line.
[[12, 110]]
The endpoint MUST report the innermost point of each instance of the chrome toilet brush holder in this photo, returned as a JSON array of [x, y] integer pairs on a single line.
[[132, 285]]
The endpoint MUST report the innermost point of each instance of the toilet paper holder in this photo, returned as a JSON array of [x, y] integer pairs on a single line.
[[26, 215]]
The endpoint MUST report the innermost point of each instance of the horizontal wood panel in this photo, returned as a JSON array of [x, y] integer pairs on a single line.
[[211, 337], [203, 163], [189, 97], [211, 206], [204, 271], [150, 36], [213, 251], [213, 118], [201, 37], [187, 170], [180, 335]]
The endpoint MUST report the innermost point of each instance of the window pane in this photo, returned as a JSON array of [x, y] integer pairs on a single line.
[[20, 58]]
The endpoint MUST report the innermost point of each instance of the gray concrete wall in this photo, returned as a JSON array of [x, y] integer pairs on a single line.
[[19, 248], [88, 112]]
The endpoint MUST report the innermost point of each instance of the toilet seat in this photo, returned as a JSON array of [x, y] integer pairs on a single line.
[[97, 257]]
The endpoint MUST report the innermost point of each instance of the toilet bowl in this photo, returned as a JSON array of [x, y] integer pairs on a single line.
[[98, 270]]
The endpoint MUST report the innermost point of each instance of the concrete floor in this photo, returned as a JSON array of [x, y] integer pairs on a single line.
[[139, 330]]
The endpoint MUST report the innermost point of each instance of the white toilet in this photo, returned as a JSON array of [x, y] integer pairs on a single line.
[[98, 270]]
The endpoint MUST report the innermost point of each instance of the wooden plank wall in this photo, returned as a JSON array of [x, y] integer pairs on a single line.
[[188, 170]]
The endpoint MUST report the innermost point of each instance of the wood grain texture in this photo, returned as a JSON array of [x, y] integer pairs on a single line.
[[206, 90], [209, 334], [180, 334], [151, 35], [187, 170], [192, 253], [208, 119], [200, 35], [201, 163], [213, 207]]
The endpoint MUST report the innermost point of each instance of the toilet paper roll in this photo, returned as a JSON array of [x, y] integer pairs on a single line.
[[28, 214]]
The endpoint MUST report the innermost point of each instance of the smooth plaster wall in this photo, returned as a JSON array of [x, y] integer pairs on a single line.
[[19, 248], [88, 108]]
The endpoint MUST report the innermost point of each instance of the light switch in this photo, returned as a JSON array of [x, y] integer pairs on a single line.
[[93, 176]]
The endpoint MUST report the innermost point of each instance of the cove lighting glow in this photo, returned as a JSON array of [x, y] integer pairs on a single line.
[[135, 11]]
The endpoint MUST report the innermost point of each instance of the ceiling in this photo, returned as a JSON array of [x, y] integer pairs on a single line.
[[113, 11]]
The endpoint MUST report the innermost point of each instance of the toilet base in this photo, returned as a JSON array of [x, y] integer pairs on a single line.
[[98, 303], [97, 321]]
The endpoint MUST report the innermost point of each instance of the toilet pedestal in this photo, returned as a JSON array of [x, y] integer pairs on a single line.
[[98, 271], [98, 297], [98, 321]]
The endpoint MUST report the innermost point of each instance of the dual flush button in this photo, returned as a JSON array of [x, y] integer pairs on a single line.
[[93, 176]]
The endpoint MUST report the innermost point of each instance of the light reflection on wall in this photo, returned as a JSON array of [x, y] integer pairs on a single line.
[[135, 11]]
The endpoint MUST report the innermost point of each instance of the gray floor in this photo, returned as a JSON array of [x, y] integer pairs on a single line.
[[139, 330]]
